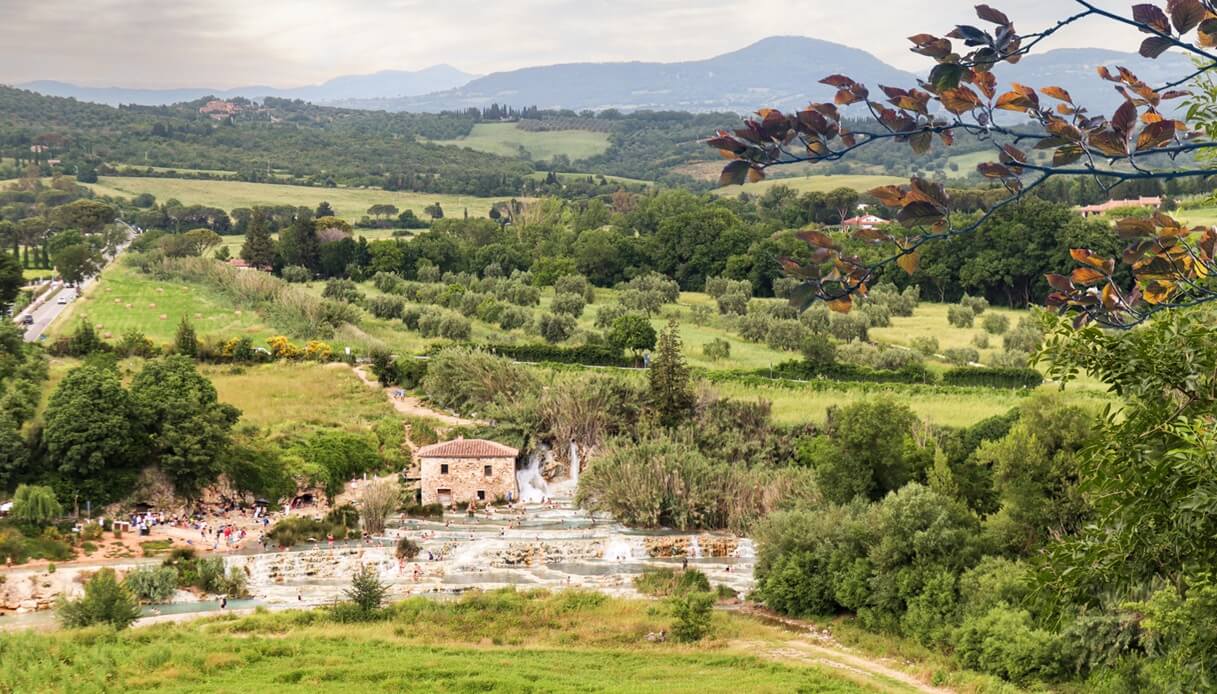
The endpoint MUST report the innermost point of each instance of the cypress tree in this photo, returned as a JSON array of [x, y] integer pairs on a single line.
[[259, 248], [670, 391], [185, 342]]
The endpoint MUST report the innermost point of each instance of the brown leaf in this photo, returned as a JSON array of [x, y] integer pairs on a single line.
[[991, 170], [1067, 155], [888, 196], [1109, 143], [959, 100], [1013, 101], [921, 141], [1057, 93], [816, 238], [910, 262], [1060, 282], [991, 15], [1153, 16], [1124, 119], [919, 213], [1186, 14], [1154, 46], [1133, 228], [1155, 135], [838, 81], [734, 173], [841, 305], [1086, 276], [755, 175]]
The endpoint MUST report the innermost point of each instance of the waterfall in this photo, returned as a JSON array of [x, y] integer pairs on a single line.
[[617, 550], [694, 548], [574, 464], [532, 485]]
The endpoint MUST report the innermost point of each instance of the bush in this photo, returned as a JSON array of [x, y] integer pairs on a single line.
[[693, 613], [605, 315], [152, 583], [466, 380], [568, 305], [367, 593], [446, 324], [589, 355], [980, 341], [733, 303], [787, 335], [1009, 360], [961, 356], [877, 316], [296, 274], [978, 304], [1005, 642], [513, 317], [926, 345], [817, 319], [1026, 337], [342, 290], [577, 285], [105, 601], [555, 328], [386, 307], [666, 582], [754, 327], [716, 349], [995, 324], [408, 549], [849, 326], [961, 316], [819, 350], [783, 287]]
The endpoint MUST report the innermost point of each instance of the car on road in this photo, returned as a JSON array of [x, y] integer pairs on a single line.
[[62, 300], [27, 319]]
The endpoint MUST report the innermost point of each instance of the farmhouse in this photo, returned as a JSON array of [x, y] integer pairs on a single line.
[[866, 221], [1091, 210], [467, 470]]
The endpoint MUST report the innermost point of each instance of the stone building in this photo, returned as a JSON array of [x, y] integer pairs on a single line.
[[467, 470]]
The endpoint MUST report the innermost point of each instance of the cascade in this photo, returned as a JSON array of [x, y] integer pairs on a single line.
[[574, 464], [695, 548], [532, 485]]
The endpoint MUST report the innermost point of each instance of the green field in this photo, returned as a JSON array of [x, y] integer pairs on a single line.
[[508, 140], [814, 184], [501, 642], [541, 175], [350, 203]]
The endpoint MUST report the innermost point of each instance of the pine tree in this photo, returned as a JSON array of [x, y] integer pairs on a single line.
[[325, 210], [298, 244], [259, 248], [186, 342], [670, 391]]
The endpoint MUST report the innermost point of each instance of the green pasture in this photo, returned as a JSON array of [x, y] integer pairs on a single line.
[[508, 140]]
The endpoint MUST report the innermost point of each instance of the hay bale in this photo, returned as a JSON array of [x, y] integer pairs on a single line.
[[164, 317], [151, 305]]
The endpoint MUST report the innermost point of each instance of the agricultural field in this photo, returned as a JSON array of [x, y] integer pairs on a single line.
[[541, 175], [815, 184], [508, 140], [1200, 216], [350, 203]]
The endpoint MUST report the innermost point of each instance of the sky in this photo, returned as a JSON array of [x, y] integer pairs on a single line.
[[284, 43]]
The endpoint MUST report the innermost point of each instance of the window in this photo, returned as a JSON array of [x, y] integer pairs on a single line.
[[443, 468], [481, 495], [488, 470]]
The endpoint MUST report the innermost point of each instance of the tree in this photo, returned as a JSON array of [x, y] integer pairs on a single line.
[[89, 433], [259, 247], [76, 262], [376, 503], [298, 243], [105, 601], [434, 211], [1139, 143], [11, 279], [670, 391], [185, 341], [367, 593], [36, 505], [88, 216], [694, 613], [192, 243], [325, 210], [632, 332], [189, 430], [14, 454], [555, 327], [872, 435]]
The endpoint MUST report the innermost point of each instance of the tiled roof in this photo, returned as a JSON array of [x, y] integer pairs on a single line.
[[467, 448]]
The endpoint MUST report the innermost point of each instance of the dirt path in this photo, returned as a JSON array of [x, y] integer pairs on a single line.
[[815, 646], [412, 406]]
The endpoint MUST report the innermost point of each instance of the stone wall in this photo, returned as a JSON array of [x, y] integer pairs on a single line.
[[466, 477]]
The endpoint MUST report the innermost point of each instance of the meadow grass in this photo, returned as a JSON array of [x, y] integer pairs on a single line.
[[542, 175], [285, 394], [930, 320], [820, 184], [350, 203], [508, 140], [502, 641]]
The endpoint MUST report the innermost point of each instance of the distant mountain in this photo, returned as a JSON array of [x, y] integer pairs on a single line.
[[1074, 69], [389, 83], [780, 71]]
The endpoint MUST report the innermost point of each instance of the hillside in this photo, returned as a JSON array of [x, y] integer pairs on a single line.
[[380, 84]]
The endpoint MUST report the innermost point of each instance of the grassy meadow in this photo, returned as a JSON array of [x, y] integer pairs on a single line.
[[508, 140], [350, 203], [502, 641]]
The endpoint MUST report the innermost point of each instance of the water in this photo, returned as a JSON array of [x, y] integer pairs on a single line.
[[617, 550], [574, 465], [695, 548], [195, 607], [533, 487]]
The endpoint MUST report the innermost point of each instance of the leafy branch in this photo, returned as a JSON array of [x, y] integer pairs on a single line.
[[1171, 265]]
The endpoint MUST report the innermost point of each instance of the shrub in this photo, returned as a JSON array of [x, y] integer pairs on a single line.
[[1009, 359], [783, 287], [1026, 337], [995, 324], [819, 349], [981, 341], [817, 319], [152, 583], [408, 549], [665, 582], [754, 327], [925, 345], [717, 349], [849, 326], [105, 601], [877, 316], [568, 305], [605, 315], [296, 274], [446, 324], [1005, 642], [466, 380], [732, 303], [994, 377], [514, 317], [693, 613], [555, 328], [367, 593], [961, 316], [577, 285], [342, 290], [978, 304], [961, 356], [388, 282], [386, 307], [788, 335]]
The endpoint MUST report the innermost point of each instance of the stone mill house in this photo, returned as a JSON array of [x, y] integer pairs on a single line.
[[467, 470]]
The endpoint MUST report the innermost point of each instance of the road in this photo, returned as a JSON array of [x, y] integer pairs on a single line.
[[47, 313]]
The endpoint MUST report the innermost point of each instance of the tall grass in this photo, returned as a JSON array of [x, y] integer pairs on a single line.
[[286, 307]]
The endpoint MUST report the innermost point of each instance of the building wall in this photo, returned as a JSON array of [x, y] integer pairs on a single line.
[[466, 477]]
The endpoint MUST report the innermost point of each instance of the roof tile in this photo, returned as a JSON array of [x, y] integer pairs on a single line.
[[467, 448]]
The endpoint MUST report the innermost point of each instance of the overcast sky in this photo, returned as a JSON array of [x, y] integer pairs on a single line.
[[228, 43]]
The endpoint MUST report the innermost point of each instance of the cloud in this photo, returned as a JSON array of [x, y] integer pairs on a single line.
[[226, 43]]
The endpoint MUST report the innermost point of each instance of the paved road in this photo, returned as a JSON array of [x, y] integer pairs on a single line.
[[46, 314]]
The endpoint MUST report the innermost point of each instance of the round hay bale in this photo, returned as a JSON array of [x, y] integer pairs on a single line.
[[128, 306], [151, 305], [164, 317]]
